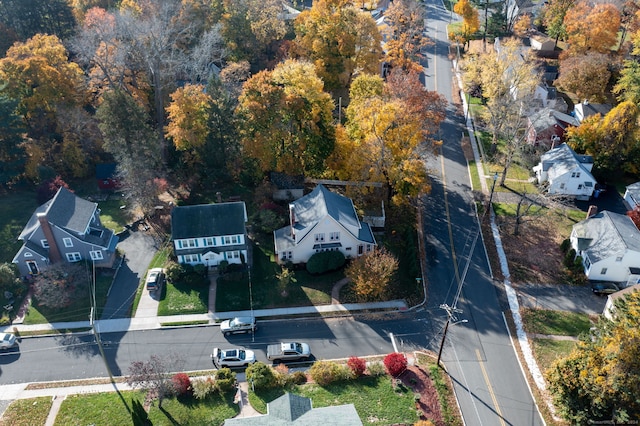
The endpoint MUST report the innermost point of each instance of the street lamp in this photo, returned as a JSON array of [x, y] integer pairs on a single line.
[[493, 187]]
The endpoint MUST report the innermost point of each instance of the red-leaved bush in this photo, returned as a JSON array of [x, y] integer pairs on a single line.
[[396, 363], [182, 384], [357, 366]]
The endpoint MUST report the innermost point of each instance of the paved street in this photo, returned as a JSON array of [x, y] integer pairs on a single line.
[[478, 353]]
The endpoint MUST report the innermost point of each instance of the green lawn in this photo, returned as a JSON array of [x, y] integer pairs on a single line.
[[562, 323], [111, 409], [111, 215], [180, 299], [79, 310], [547, 350], [374, 398], [27, 412]]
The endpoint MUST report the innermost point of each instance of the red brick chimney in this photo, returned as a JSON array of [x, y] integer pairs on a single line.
[[54, 252], [593, 210]]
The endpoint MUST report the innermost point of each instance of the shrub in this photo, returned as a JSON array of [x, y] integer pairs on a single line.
[[262, 376], [395, 363], [203, 388], [569, 258], [327, 372], [376, 369], [282, 374], [225, 380], [298, 378], [357, 366], [325, 261], [182, 384], [565, 245]]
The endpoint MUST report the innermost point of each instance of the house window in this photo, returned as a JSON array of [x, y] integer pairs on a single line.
[[562, 186], [234, 255], [319, 237], [209, 242], [360, 249], [190, 243], [74, 257], [603, 271], [45, 243], [235, 239], [579, 187], [190, 258], [368, 248], [227, 240], [96, 255], [619, 259], [334, 236], [67, 242], [28, 254], [587, 263]]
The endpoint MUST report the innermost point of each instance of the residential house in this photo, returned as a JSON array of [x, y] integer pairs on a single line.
[[632, 195], [609, 244], [541, 42], [207, 234], [290, 409], [322, 221], [609, 310], [548, 126], [586, 109], [287, 187], [566, 173], [66, 228]]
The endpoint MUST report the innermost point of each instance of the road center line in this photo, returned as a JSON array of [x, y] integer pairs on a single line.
[[446, 209], [493, 395]]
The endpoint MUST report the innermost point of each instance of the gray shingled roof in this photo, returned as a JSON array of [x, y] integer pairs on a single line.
[[292, 409], [207, 220], [562, 159], [634, 190], [607, 234], [321, 202]]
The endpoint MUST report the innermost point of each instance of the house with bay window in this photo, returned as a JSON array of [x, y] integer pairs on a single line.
[[322, 221], [66, 228], [210, 233]]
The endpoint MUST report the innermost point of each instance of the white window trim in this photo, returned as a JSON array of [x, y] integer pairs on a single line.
[[74, 256], [44, 243], [68, 242], [96, 255]]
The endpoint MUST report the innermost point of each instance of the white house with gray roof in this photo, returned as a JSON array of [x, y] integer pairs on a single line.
[[66, 228], [632, 195], [609, 244], [566, 173], [210, 233], [322, 221]]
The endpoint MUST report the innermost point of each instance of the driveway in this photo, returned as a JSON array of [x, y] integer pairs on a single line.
[[138, 248], [560, 298]]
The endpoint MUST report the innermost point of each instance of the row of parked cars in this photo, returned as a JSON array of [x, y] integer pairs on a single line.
[[238, 357]]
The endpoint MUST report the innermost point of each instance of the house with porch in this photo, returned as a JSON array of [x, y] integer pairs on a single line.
[[322, 221], [66, 228], [609, 244], [566, 173], [207, 234]]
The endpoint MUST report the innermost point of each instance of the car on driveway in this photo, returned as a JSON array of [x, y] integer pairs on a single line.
[[238, 325], [602, 288], [154, 279], [7, 341], [235, 357]]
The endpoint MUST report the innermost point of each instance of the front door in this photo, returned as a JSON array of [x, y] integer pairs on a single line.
[[33, 267]]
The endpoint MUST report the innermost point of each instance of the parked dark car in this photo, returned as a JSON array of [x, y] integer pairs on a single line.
[[604, 288]]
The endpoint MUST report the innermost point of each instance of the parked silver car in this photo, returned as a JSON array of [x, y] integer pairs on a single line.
[[238, 325], [7, 341]]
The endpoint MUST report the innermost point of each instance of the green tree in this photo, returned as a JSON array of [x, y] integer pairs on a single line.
[[372, 275], [30, 17], [286, 119], [553, 13], [131, 141], [12, 153], [628, 86], [340, 40], [600, 379]]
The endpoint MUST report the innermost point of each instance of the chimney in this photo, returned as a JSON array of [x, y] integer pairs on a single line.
[[54, 252], [593, 210], [292, 219]]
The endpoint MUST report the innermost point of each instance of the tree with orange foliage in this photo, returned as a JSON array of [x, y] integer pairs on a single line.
[[592, 28], [586, 75], [405, 34], [470, 21], [188, 117]]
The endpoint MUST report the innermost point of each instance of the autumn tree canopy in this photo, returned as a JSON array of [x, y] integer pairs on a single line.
[[586, 75], [592, 28], [405, 34], [286, 119], [372, 274], [470, 20], [339, 39], [600, 379], [553, 13]]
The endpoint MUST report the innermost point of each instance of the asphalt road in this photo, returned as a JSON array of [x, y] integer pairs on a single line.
[[478, 353]]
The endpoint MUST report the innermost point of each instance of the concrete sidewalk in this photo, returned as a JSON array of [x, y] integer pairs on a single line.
[[150, 323]]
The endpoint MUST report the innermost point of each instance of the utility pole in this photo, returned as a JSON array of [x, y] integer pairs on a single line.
[[450, 316]]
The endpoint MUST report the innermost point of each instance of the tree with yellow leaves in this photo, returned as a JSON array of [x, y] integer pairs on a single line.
[[372, 274], [470, 21], [592, 28], [188, 116]]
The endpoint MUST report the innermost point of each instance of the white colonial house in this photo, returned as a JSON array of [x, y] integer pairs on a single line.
[[322, 221], [609, 244], [566, 173], [210, 233]]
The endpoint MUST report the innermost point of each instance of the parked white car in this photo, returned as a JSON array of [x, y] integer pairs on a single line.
[[238, 325], [7, 341], [154, 279], [232, 357]]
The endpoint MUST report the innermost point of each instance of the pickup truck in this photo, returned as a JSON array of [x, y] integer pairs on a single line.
[[288, 351]]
